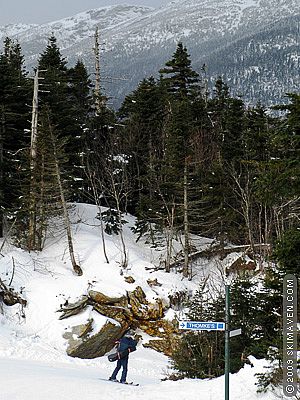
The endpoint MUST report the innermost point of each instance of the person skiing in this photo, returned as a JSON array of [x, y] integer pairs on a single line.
[[125, 343]]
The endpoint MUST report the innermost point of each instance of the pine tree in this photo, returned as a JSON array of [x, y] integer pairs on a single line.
[[226, 123], [181, 79], [15, 92], [254, 307], [182, 85], [80, 100], [286, 252], [201, 354], [277, 182], [55, 85], [286, 258], [67, 93], [142, 113]]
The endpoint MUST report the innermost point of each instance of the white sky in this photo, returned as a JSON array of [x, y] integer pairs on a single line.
[[40, 11]]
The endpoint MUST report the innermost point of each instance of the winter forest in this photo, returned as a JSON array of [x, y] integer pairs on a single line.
[[186, 160]]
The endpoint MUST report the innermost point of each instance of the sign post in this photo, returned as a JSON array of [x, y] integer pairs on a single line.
[[217, 326], [227, 336]]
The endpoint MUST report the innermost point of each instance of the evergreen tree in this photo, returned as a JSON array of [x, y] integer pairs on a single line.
[[286, 252], [286, 257], [55, 84], [80, 100], [201, 354], [143, 113], [43, 185], [181, 83], [15, 92], [67, 93], [180, 78], [254, 307], [220, 203], [277, 182]]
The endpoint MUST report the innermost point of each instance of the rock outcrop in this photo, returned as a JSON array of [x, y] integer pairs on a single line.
[[132, 310], [89, 344]]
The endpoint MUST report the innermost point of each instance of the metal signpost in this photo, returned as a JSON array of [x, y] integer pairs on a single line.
[[217, 326], [227, 333]]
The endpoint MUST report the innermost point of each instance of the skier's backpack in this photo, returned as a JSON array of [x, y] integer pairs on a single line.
[[120, 354]]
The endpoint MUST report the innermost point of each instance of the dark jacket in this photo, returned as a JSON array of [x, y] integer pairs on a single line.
[[127, 343]]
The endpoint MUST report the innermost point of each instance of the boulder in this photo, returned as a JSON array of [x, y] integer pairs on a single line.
[[155, 311], [153, 282], [167, 345], [120, 314], [101, 298], [160, 328], [129, 279], [70, 309], [88, 346], [241, 265], [141, 309], [167, 333], [132, 310]]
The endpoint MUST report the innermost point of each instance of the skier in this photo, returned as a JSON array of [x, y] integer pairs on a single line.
[[125, 343]]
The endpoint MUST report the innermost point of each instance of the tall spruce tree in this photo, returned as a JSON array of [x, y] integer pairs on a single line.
[[67, 93], [225, 125], [277, 183], [255, 308], [15, 92], [182, 85], [81, 102], [142, 113], [55, 84], [179, 77]]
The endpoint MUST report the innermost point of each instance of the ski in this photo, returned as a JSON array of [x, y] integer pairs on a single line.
[[130, 383], [127, 383]]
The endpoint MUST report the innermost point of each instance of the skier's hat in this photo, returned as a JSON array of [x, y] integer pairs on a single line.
[[129, 333]]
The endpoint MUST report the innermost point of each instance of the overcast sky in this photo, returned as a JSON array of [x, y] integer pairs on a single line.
[[40, 11]]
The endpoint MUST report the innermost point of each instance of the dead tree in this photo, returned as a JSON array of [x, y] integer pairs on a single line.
[[99, 98], [118, 189], [244, 191], [33, 165], [91, 176], [186, 272], [77, 269], [9, 296], [2, 131]]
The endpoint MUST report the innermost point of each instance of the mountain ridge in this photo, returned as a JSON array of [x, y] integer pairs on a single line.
[[139, 40]]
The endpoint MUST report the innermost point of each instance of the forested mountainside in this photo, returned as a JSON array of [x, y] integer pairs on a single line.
[[203, 173], [186, 158], [263, 66], [136, 40]]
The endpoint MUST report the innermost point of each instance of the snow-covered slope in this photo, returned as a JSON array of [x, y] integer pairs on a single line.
[[46, 279], [201, 21], [36, 380], [72, 30], [33, 360]]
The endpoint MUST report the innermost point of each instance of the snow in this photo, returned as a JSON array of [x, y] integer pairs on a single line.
[[33, 360]]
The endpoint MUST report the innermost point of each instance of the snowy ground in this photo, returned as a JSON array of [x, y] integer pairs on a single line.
[[33, 360]]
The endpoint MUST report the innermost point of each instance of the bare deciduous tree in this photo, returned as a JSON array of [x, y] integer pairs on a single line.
[[77, 269]]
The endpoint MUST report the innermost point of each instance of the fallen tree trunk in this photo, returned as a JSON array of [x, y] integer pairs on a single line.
[[9, 296], [211, 252]]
